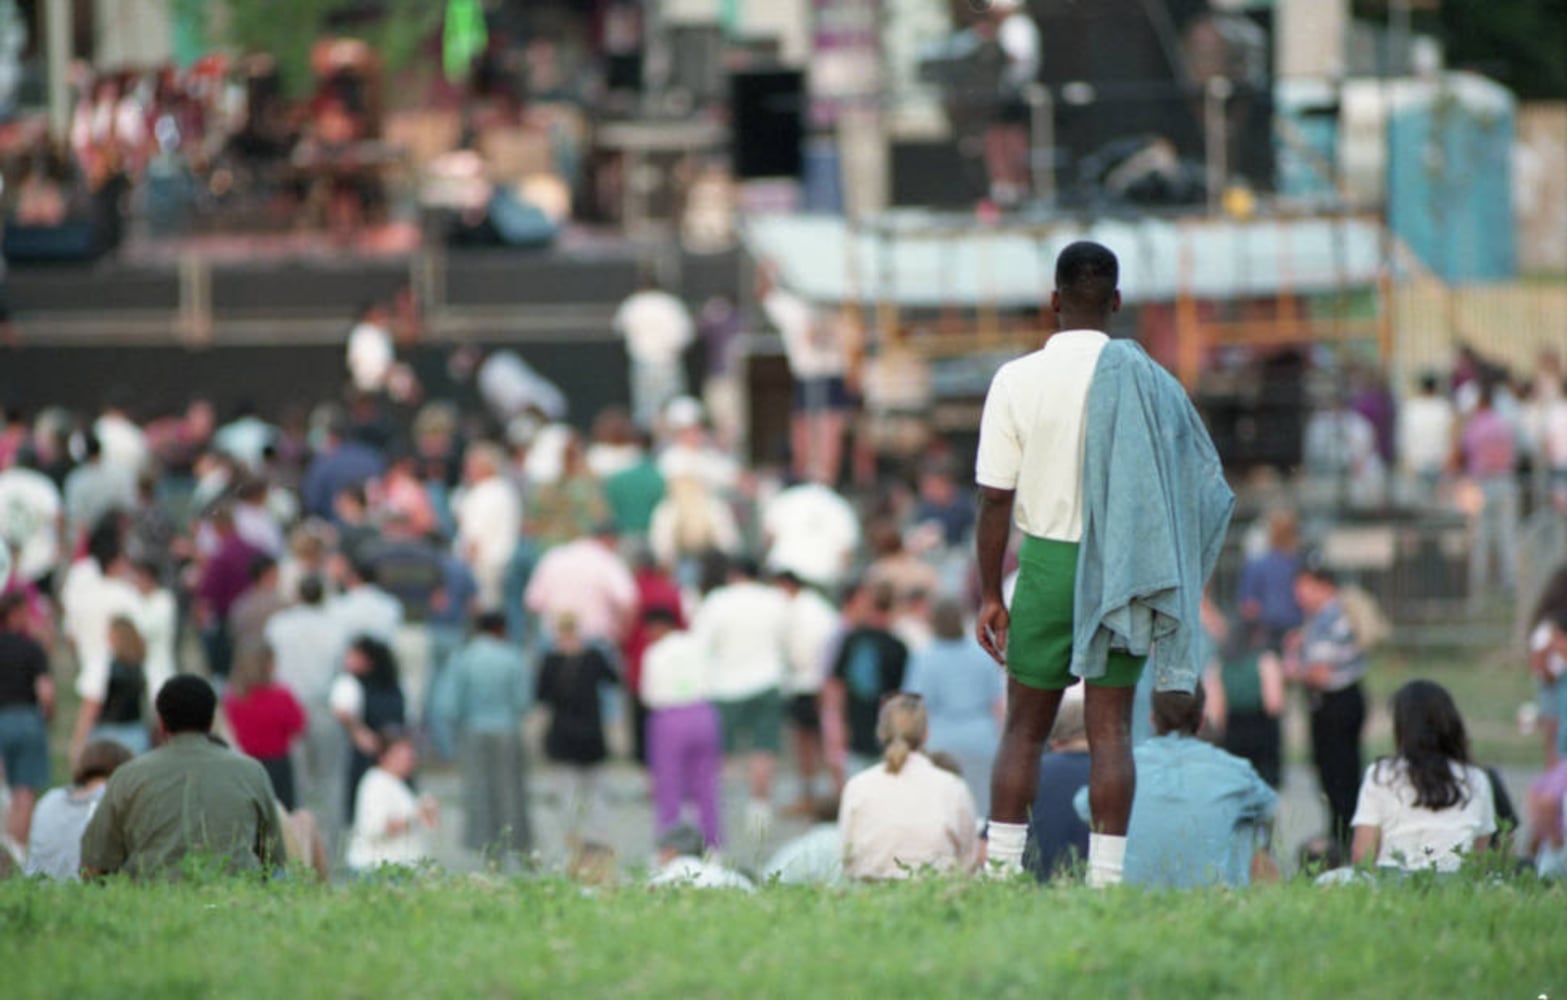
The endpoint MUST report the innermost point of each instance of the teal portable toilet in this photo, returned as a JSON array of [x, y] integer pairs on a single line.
[[1450, 189]]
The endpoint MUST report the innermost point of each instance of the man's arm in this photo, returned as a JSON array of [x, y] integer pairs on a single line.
[[991, 535]]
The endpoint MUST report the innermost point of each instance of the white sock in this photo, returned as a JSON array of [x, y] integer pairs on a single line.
[[1106, 855], [1005, 846]]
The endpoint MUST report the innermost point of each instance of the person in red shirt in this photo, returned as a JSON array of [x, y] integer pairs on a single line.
[[656, 590], [264, 717]]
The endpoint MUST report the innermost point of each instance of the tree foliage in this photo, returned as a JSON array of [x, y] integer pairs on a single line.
[[1520, 43]]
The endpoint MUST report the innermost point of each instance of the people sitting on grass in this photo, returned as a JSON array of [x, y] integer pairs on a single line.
[[682, 863], [1427, 806], [815, 857], [54, 848], [1200, 816], [1058, 835], [392, 826], [906, 814], [264, 716], [190, 798]]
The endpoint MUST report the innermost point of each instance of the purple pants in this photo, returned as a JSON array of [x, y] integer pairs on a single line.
[[684, 753]]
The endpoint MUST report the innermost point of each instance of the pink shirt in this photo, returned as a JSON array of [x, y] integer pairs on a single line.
[[1490, 446], [587, 581]]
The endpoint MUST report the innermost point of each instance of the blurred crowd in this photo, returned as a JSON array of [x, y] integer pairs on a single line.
[[388, 580]]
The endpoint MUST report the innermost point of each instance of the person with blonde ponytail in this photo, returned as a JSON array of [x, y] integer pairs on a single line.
[[906, 814]]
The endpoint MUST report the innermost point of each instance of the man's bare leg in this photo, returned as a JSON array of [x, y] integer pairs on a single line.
[[1112, 778], [1014, 780]]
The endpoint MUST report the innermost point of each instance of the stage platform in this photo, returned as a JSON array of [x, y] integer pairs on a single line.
[[266, 319]]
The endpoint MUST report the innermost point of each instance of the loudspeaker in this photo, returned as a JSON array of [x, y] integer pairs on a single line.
[[767, 108]]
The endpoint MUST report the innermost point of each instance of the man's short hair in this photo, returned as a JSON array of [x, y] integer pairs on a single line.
[[1087, 275], [104, 543], [311, 590], [490, 623], [261, 566], [1178, 711], [186, 704], [659, 615]]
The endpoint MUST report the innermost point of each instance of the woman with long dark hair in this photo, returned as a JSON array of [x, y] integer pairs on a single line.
[[368, 700], [1426, 806]]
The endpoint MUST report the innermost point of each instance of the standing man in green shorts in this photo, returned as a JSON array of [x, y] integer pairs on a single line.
[[1030, 469]]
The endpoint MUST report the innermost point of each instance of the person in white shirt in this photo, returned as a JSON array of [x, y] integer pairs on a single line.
[[812, 638], [690, 450], [489, 521], [906, 814], [691, 521], [363, 608], [95, 593], [157, 620], [1030, 468], [391, 825], [684, 745], [681, 865], [124, 444], [817, 347], [1427, 429], [31, 517], [812, 532], [1427, 807], [510, 387], [657, 328], [307, 644], [742, 631], [1006, 137], [371, 354]]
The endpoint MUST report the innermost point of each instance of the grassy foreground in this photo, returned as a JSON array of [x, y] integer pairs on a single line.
[[519, 938]]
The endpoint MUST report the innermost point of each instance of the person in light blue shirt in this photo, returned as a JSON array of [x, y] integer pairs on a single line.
[[1200, 816], [485, 691], [963, 692]]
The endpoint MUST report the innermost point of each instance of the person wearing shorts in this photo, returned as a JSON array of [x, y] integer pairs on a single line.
[[26, 695], [741, 631], [1030, 470]]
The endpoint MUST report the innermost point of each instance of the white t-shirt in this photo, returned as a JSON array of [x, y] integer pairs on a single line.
[[30, 510], [1032, 433], [124, 444], [814, 532], [157, 619], [674, 672], [694, 873], [307, 646], [91, 601], [815, 346], [382, 798], [742, 630], [347, 697], [1540, 641], [895, 824], [710, 465], [1416, 838], [509, 385], [656, 325], [1019, 39], [1553, 433], [367, 611], [1425, 433], [489, 524], [813, 627], [370, 356]]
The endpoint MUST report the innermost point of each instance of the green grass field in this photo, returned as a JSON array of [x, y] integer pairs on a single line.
[[545, 939]]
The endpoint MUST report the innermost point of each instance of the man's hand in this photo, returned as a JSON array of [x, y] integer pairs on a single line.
[[991, 629]]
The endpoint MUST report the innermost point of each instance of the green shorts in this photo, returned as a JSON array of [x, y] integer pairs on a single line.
[[754, 723], [1039, 638]]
